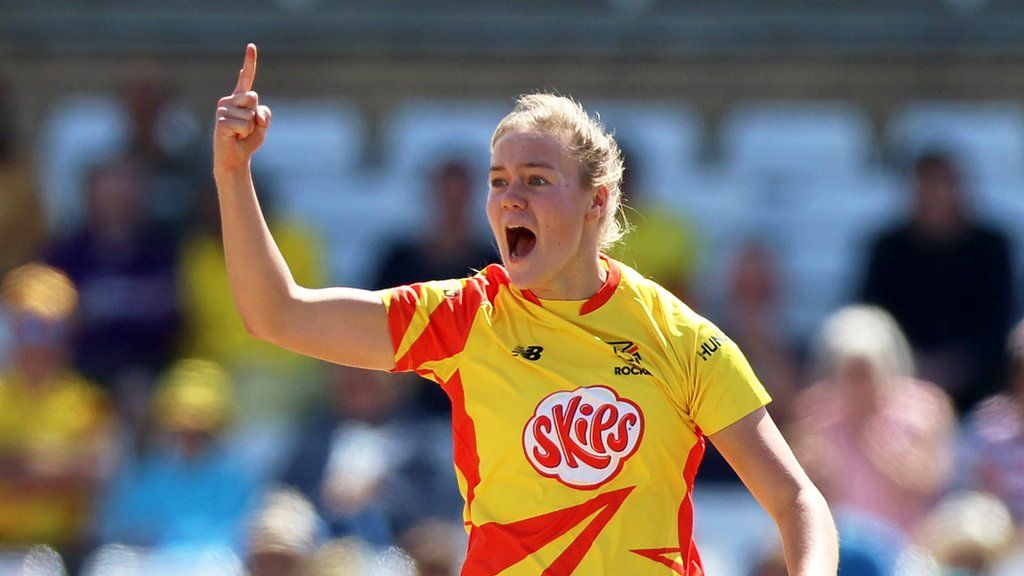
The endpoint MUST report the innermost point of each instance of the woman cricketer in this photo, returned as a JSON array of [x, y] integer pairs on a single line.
[[582, 393]]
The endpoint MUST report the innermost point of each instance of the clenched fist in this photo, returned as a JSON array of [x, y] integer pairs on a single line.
[[241, 125]]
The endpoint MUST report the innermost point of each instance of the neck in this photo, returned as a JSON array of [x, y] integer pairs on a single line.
[[581, 283]]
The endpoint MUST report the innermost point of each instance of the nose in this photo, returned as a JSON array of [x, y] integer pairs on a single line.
[[514, 197]]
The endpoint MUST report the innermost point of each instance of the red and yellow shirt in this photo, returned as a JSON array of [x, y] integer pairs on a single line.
[[578, 425]]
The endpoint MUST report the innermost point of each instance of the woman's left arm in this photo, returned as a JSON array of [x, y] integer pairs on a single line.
[[759, 454]]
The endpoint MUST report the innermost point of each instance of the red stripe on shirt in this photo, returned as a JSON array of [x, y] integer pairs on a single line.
[[448, 326], [607, 289], [401, 311], [466, 457], [496, 277], [494, 547], [689, 563], [687, 546], [600, 298]]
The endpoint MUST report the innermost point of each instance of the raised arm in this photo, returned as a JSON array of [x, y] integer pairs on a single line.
[[757, 451], [342, 325]]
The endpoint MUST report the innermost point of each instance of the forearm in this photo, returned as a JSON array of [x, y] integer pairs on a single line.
[[809, 535], [260, 280]]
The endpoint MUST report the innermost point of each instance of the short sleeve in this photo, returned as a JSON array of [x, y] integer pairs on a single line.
[[430, 322], [723, 385]]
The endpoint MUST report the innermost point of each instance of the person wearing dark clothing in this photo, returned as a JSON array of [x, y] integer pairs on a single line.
[[449, 250], [947, 280], [125, 271]]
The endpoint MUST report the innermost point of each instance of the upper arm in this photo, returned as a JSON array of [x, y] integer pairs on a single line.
[[420, 326], [341, 325], [759, 454]]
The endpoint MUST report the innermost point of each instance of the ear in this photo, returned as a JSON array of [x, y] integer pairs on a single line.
[[598, 203]]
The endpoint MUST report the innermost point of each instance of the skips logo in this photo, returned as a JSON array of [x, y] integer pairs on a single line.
[[582, 438]]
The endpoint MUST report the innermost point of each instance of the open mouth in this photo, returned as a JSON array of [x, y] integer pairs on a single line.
[[521, 241]]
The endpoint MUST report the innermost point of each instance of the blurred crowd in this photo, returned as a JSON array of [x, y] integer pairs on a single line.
[[143, 431]]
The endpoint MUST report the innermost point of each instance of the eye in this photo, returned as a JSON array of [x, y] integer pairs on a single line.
[[498, 182], [537, 181]]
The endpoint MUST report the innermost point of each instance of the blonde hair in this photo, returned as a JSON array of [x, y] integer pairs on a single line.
[[39, 290], [868, 333], [966, 523], [287, 522], [588, 142]]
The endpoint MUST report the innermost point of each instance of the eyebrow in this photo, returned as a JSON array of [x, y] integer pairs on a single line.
[[527, 165]]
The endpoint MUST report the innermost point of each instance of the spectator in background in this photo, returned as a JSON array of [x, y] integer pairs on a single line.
[[347, 556], [163, 142], [128, 319], [188, 492], [450, 249], [967, 533], [877, 442], [283, 535], [56, 428], [993, 439], [273, 387], [21, 216], [660, 244], [435, 547], [372, 470], [752, 320], [947, 280]]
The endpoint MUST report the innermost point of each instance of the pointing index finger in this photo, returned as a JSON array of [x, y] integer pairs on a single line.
[[247, 75]]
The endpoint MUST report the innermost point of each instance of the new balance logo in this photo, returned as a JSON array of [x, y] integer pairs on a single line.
[[531, 353], [709, 347]]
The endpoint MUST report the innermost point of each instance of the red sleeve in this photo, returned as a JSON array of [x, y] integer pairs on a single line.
[[431, 321]]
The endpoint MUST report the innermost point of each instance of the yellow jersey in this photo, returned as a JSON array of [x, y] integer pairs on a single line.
[[578, 425]]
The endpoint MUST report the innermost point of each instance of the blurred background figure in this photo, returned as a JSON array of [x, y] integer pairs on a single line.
[[272, 387], [128, 320], [435, 546], [661, 244], [56, 428], [372, 468], [752, 318], [450, 246], [947, 279], [164, 142], [967, 534], [877, 442], [284, 534], [22, 230], [992, 444], [37, 561], [347, 556], [186, 491]]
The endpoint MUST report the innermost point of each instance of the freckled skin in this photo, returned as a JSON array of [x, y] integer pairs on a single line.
[[535, 183]]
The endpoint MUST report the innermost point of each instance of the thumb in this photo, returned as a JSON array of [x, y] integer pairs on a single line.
[[263, 115]]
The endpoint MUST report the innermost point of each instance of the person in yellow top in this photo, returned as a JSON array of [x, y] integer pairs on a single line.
[[581, 393], [56, 428], [273, 384], [661, 242]]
